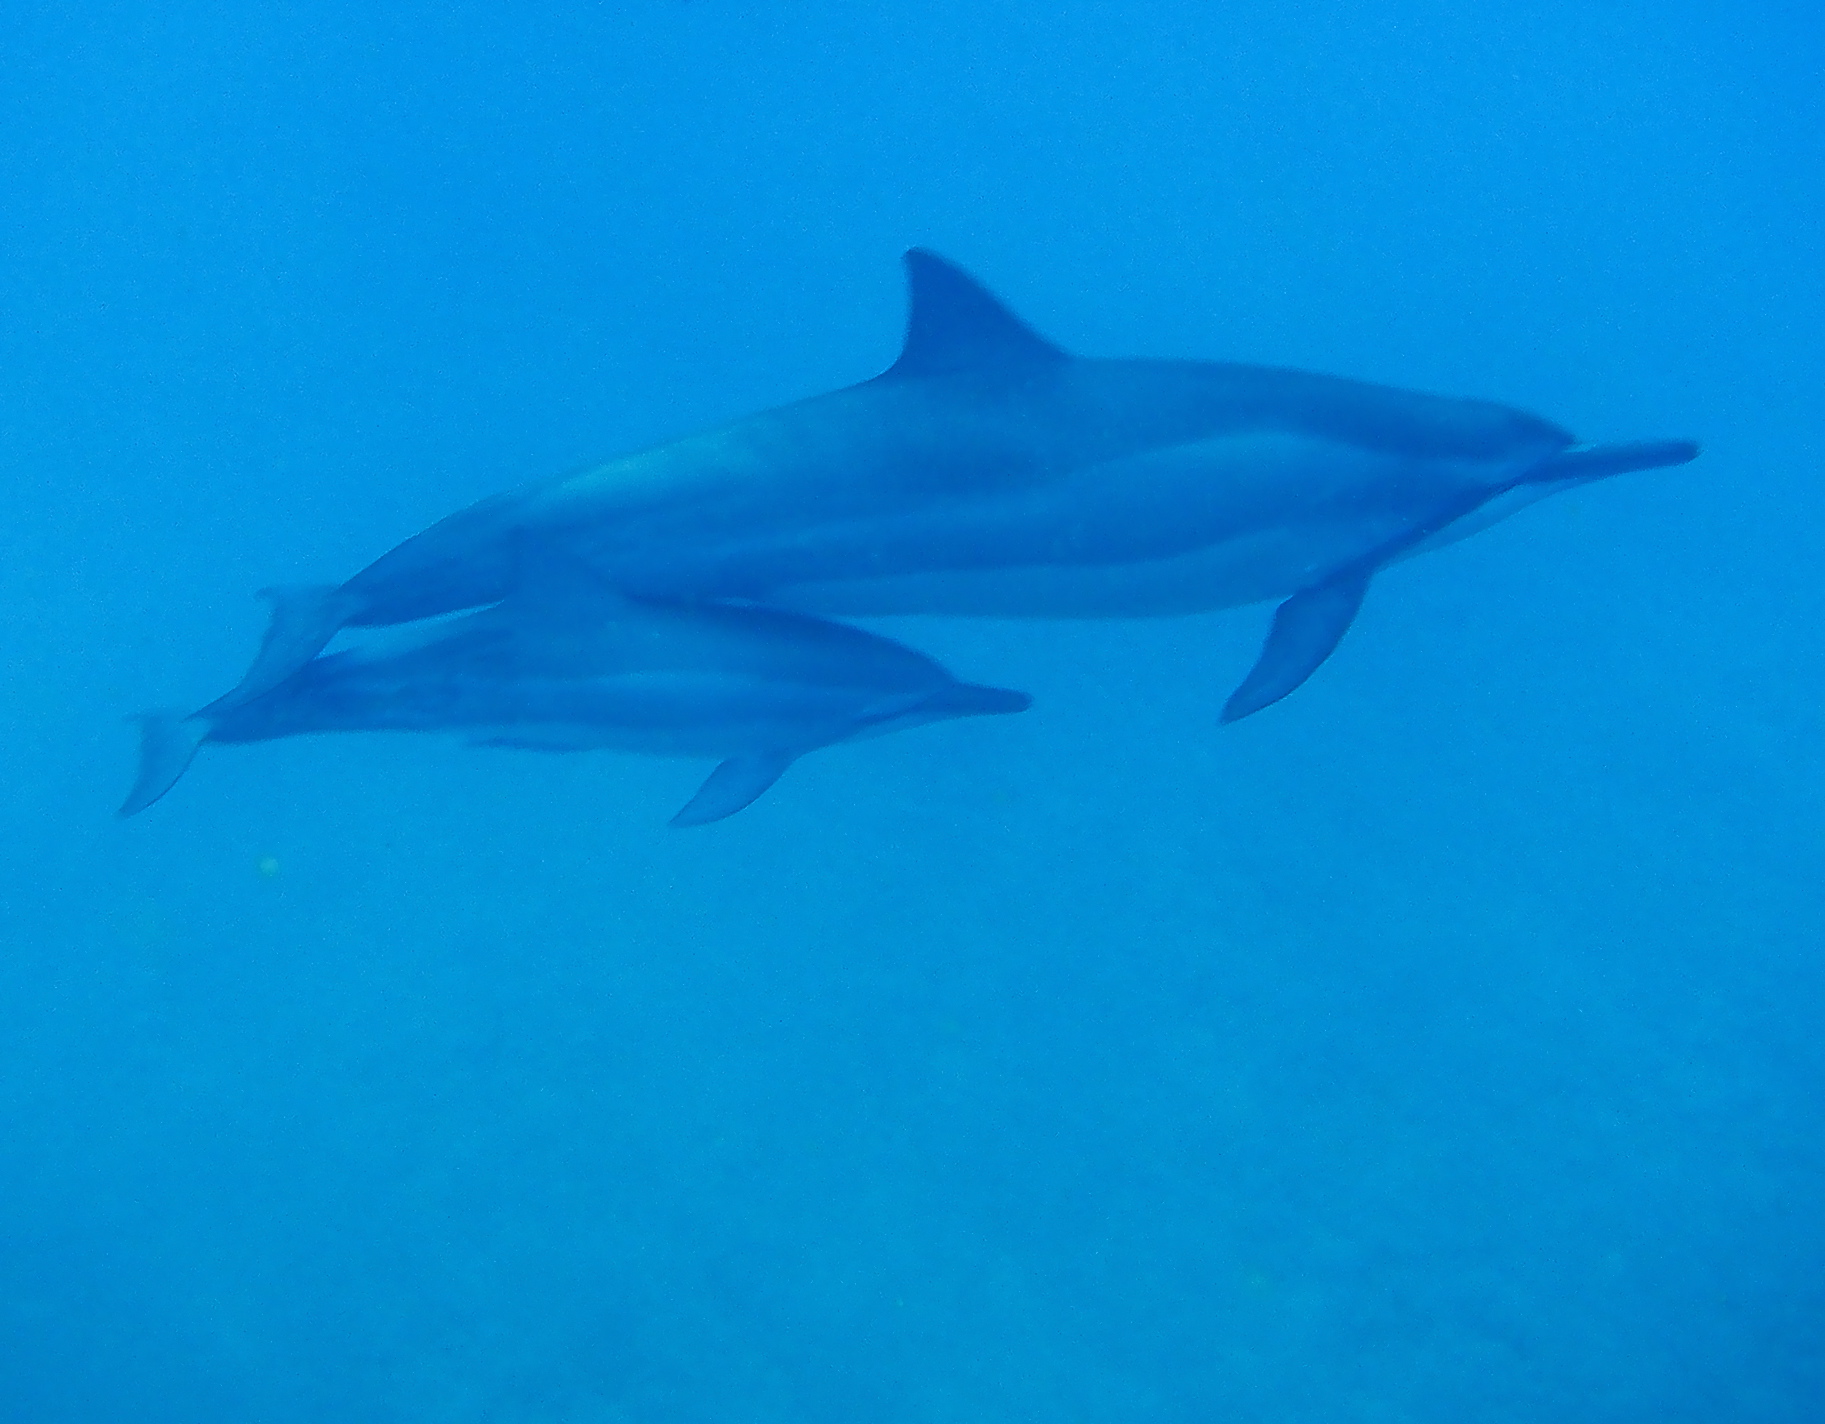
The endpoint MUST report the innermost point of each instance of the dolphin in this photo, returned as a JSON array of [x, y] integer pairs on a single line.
[[989, 472], [563, 664]]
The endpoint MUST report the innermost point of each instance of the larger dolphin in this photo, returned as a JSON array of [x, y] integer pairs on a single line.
[[989, 472], [562, 664]]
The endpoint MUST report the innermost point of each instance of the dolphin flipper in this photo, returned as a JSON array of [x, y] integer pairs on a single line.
[[167, 743], [734, 784], [304, 618], [1306, 631]]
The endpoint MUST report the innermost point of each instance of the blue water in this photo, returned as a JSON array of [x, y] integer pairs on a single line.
[[1442, 1044]]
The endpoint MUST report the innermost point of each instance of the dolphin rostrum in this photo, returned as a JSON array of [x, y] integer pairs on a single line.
[[989, 472], [562, 664]]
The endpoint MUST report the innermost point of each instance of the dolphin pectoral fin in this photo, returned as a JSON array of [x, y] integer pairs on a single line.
[[1596, 462], [1306, 630], [304, 618], [167, 744], [737, 783]]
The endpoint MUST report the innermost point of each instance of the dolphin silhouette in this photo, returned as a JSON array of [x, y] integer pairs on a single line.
[[562, 664], [988, 472]]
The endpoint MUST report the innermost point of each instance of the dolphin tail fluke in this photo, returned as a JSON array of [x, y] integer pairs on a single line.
[[1306, 630], [1597, 462], [304, 618], [737, 783], [167, 744]]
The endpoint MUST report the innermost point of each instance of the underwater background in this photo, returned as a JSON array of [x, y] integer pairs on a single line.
[[1442, 1044]]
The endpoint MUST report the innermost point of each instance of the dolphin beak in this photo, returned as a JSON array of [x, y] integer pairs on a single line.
[[968, 699]]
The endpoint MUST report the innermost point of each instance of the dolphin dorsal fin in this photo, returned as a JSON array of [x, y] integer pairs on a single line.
[[956, 324]]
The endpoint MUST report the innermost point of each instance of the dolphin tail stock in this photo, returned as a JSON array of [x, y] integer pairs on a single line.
[[1306, 630], [1598, 462], [735, 784], [168, 742], [304, 618]]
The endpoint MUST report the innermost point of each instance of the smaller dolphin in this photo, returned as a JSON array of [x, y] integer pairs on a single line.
[[563, 664]]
